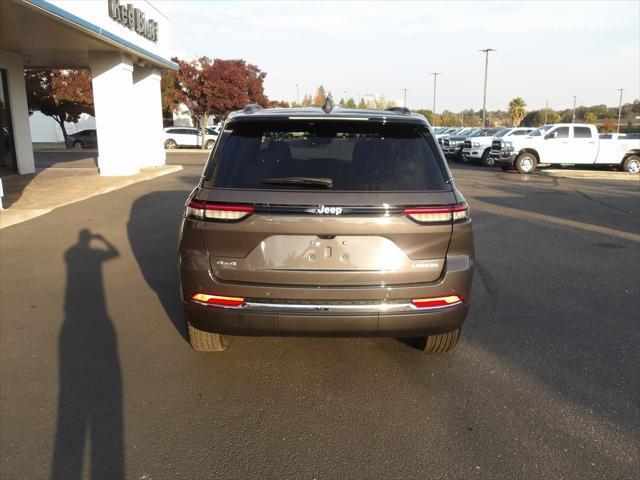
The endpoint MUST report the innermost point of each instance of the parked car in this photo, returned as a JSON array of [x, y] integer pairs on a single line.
[[82, 139], [214, 131], [338, 222], [477, 149], [566, 143], [175, 137]]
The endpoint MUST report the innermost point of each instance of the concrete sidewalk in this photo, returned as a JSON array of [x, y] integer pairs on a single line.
[[594, 174], [29, 196]]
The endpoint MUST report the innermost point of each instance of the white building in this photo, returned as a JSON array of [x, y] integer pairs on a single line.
[[124, 43]]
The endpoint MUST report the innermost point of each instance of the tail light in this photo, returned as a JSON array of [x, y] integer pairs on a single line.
[[446, 214], [217, 300], [219, 213], [434, 302]]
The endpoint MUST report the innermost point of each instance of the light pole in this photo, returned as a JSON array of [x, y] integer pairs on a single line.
[[297, 94], [345, 97], [486, 68], [573, 118], [405, 96], [435, 79], [619, 109], [546, 109]]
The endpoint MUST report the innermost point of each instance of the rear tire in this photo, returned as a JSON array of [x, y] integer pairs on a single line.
[[209, 145], [442, 342], [631, 164], [202, 341], [526, 163], [78, 145], [170, 144]]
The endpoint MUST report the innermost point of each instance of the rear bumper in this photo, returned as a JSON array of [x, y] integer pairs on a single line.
[[394, 321], [365, 310], [238, 322]]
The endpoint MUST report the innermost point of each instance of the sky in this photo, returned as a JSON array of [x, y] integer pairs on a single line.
[[545, 50]]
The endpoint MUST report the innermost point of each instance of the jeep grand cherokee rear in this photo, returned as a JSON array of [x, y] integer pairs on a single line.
[[331, 223]]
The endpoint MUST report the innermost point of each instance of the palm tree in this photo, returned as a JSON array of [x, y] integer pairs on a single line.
[[517, 110]]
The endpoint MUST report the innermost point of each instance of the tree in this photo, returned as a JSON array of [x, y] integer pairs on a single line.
[[362, 103], [450, 119], [590, 117], [428, 114], [307, 101], [608, 126], [63, 95], [517, 110], [351, 103], [342, 103], [218, 87], [169, 94], [278, 104], [319, 97]]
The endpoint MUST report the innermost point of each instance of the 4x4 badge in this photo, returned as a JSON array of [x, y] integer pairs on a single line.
[[322, 209]]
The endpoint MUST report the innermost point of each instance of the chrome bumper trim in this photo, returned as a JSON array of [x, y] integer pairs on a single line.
[[330, 308]]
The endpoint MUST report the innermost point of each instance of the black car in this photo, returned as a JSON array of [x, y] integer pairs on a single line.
[[82, 139]]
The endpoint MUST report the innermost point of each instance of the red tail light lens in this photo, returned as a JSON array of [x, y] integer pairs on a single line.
[[220, 213], [448, 213], [218, 300], [436, 301]]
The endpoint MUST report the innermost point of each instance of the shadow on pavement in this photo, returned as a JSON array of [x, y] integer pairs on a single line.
[[90, 398], [152, 229]]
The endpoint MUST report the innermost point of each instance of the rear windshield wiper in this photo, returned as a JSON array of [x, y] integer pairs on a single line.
[[320, 182]]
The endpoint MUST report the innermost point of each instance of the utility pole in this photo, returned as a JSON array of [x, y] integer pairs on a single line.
[[297, 94], [462, 115], [619, 109], [486, 68], [405, 96], [345, 97], [546, 109], [435, 79], [573, 118]]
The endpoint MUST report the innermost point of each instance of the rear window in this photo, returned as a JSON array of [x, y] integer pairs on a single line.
[[581, 132], [353, 155]]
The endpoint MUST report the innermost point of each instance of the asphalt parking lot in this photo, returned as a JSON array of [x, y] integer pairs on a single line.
[[97, 380]]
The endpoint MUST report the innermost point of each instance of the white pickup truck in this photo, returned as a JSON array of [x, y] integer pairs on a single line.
[[477, 149], [566, 144]]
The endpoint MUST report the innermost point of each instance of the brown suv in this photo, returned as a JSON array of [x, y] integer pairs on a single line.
[[326, 222]]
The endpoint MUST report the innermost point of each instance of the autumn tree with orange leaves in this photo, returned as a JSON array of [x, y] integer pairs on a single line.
[[216, 87], [63, 95]]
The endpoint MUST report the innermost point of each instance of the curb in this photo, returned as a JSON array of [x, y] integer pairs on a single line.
[[596, 175], [22, 215], [187, 150]]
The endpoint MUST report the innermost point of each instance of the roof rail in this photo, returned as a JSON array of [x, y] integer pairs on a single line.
[[252, 107], [398, 109]]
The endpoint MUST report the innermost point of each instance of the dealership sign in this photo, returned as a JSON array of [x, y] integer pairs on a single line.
[[134, 19]]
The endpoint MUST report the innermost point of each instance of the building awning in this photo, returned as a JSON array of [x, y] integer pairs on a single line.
[[49, 36]]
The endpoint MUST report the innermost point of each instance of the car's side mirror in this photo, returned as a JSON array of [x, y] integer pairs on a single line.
[[551, 135]]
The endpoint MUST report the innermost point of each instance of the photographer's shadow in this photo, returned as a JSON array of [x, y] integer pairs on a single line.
[[90, 391]]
